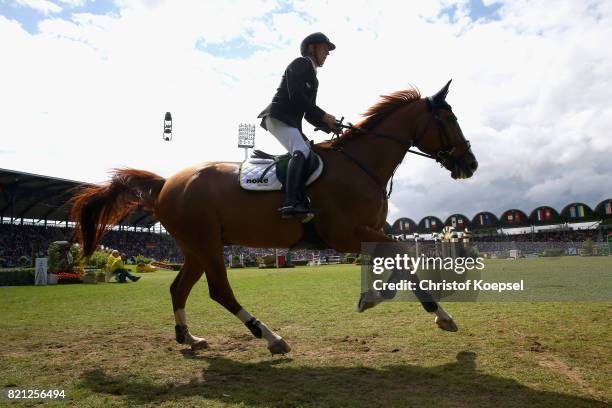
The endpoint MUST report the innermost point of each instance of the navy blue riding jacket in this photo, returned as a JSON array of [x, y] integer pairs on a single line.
[[296, 97]]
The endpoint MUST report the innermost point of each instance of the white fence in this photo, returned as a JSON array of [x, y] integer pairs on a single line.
[[325, 260]]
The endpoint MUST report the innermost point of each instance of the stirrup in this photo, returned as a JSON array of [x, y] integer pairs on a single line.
[[304, 214], [293, 210], [301, 217], [309, 217]]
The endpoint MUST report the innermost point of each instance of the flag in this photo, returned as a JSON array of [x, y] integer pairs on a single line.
[[433, 224], [609, 208], [460, 222], [548, 215], [581, 211], [481, 220], [510, 218], [488, 220], [572, 212], [454, 221], [540, 215], [406, 225], [426, 223], [517, 216]]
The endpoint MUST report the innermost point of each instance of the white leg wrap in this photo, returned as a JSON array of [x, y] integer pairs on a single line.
[[244, 316], [266, 333], [180, 318]]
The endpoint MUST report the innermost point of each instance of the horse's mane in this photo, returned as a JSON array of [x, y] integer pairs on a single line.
[[382, 109]]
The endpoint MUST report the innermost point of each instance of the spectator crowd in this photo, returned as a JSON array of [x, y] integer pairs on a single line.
[[17, 241]]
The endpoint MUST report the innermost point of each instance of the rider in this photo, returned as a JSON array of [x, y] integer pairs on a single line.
[[295, 98]]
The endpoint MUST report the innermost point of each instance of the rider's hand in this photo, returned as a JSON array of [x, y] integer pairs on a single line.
[[330, 121]]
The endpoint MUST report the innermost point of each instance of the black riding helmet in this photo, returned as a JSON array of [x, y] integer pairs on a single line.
[[315, 38]]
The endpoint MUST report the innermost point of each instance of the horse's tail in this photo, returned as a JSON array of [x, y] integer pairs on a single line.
[[97, 207]]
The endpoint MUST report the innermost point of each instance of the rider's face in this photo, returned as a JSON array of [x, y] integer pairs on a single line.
[[320, 53]]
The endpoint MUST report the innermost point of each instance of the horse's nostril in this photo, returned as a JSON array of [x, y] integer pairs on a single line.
[[474, 165]]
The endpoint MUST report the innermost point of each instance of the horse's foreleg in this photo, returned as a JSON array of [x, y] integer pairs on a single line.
[[368, 300], [180, 289], [221, 292], [276, 344]]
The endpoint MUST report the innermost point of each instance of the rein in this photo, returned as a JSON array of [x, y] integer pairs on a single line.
[[408, 146]]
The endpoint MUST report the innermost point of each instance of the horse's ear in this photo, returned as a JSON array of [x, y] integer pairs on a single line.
[[441, 95]]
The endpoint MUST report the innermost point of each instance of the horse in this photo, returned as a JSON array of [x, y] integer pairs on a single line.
[[203, 207]]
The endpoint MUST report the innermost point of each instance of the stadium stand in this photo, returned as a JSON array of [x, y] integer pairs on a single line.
[[34, 213]]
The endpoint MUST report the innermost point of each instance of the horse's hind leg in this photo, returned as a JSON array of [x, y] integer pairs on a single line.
[[181, 287], [221, 292]]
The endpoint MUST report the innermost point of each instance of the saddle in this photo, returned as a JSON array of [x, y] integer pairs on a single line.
[[268, 172]]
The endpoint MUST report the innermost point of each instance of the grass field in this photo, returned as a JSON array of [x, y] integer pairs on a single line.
[[113, 344]]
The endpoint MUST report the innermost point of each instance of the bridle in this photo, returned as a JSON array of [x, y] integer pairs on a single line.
[[442, 156], [446, 152]]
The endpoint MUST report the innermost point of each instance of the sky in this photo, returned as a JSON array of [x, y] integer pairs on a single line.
[[85, 86]]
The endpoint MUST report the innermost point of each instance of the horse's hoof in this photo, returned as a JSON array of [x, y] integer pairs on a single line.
[[367, 300], [447, 324], [279, 347], [199, 345]]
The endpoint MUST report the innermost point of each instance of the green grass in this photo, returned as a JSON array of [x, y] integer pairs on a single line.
[[113, 344]]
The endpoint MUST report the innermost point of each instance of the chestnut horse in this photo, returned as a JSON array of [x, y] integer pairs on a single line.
[[204, 208]]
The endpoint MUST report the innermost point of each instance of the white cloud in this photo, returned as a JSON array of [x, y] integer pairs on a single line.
[[42, 6], [530, 90], [74, 3]]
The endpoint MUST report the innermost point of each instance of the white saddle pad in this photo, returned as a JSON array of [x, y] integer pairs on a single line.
[[252, 170]]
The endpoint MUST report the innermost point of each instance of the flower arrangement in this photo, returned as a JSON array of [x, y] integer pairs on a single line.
[[68, 277], [142, 260], [65, 262]]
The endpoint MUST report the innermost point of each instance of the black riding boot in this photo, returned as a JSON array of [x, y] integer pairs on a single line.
[[294, 207]]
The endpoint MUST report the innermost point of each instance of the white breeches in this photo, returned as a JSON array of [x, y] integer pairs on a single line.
[[289, 137]]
